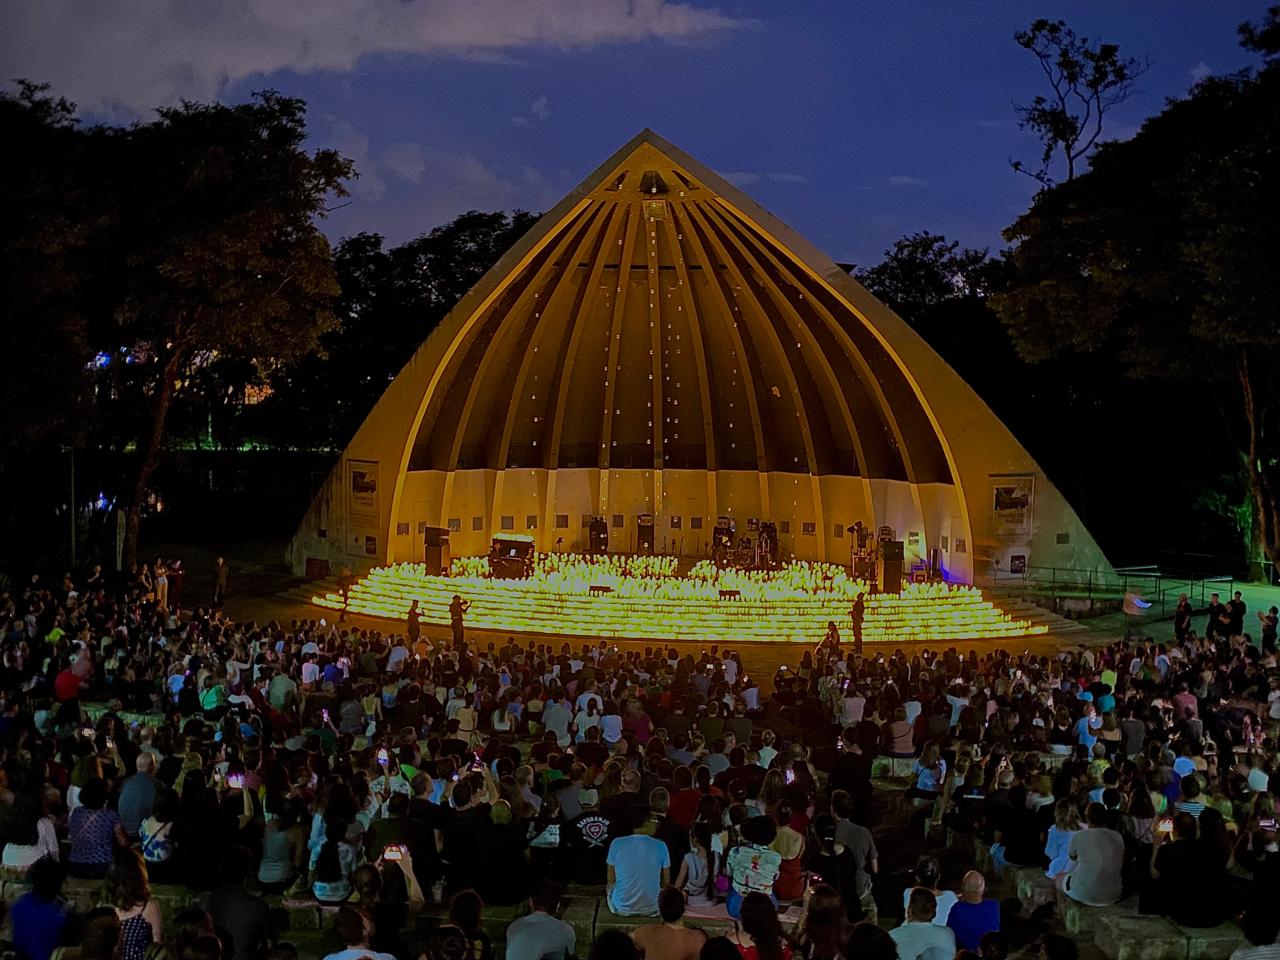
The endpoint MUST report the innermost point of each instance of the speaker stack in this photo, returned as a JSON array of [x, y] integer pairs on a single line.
[[436, 550], [889, 566], [644, 534], [599, 532]]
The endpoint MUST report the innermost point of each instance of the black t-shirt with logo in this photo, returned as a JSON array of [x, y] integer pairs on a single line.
[[585, 842]]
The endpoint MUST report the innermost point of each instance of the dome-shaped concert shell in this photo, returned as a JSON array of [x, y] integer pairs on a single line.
[[660, 352]]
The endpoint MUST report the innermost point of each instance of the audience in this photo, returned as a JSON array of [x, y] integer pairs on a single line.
[[142, 743]]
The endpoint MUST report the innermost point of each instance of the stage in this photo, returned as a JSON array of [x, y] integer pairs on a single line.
[[661, 599]]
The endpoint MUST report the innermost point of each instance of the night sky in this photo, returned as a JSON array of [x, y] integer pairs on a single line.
[[856, 122]]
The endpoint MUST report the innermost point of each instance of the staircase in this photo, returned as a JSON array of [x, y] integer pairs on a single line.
[[1022, 609]]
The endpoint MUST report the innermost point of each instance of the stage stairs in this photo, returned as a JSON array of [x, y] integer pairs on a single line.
[[1023, 609]]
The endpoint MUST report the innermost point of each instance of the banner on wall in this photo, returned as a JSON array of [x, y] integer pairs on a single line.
[[1012, 501], [363, 507]]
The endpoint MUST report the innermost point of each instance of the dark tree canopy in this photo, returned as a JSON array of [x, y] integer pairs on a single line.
[[923, 270], [185, 242], [1162, 258]]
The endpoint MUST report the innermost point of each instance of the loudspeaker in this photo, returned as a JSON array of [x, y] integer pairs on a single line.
[[889, 575], [892, 550], [599, 535], [863, 568], [644, 534], [435, 554], [935, 564]]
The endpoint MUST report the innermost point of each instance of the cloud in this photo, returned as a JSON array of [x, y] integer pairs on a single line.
[[368, 185], [745, 178], [907, 182], [539, 111], [128, 56], [1200, 72], [406, 160]]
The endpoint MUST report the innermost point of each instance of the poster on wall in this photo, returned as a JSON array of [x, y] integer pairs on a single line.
[[363, 506], [1012, 502]]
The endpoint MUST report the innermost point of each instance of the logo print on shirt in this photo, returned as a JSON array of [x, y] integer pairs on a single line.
[[595, 830]]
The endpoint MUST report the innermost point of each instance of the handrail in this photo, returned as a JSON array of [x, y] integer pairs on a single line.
[[1161, 588]]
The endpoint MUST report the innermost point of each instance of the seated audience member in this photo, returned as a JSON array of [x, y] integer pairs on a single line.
[[1097, 857], [39, 917], [759, 935], [639, 866], [973, 916], [1190, 875], [541, 935], [670, 939], [928, 874], [919, 938], [355, 928]]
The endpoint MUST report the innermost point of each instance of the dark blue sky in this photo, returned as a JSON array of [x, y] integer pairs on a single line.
[[856, 122]]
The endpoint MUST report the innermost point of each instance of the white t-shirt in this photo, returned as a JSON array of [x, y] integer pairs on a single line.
[[924, 941], [853, 708], [356, 953], [946, 900]]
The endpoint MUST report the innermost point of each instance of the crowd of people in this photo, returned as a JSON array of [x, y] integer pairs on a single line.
[[376, 772]]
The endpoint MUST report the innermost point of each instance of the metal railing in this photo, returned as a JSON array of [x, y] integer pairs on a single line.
[[1161, 588]]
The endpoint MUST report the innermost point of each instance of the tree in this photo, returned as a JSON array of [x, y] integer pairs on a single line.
[[1087, 79], [1162, 258], [923, 270], [392, 298], [214, 253], [44, 393]]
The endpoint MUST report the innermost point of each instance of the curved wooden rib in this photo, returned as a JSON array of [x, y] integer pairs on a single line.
[[615, 341], [800, 329], [563, 286], [784, 363], [473, 390], [753, 401], [699, 348]]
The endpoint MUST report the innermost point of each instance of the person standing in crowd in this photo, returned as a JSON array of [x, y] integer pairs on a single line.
[[219, 581], [457, 614], [1215, 613], [857, 843], [857, 614]]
